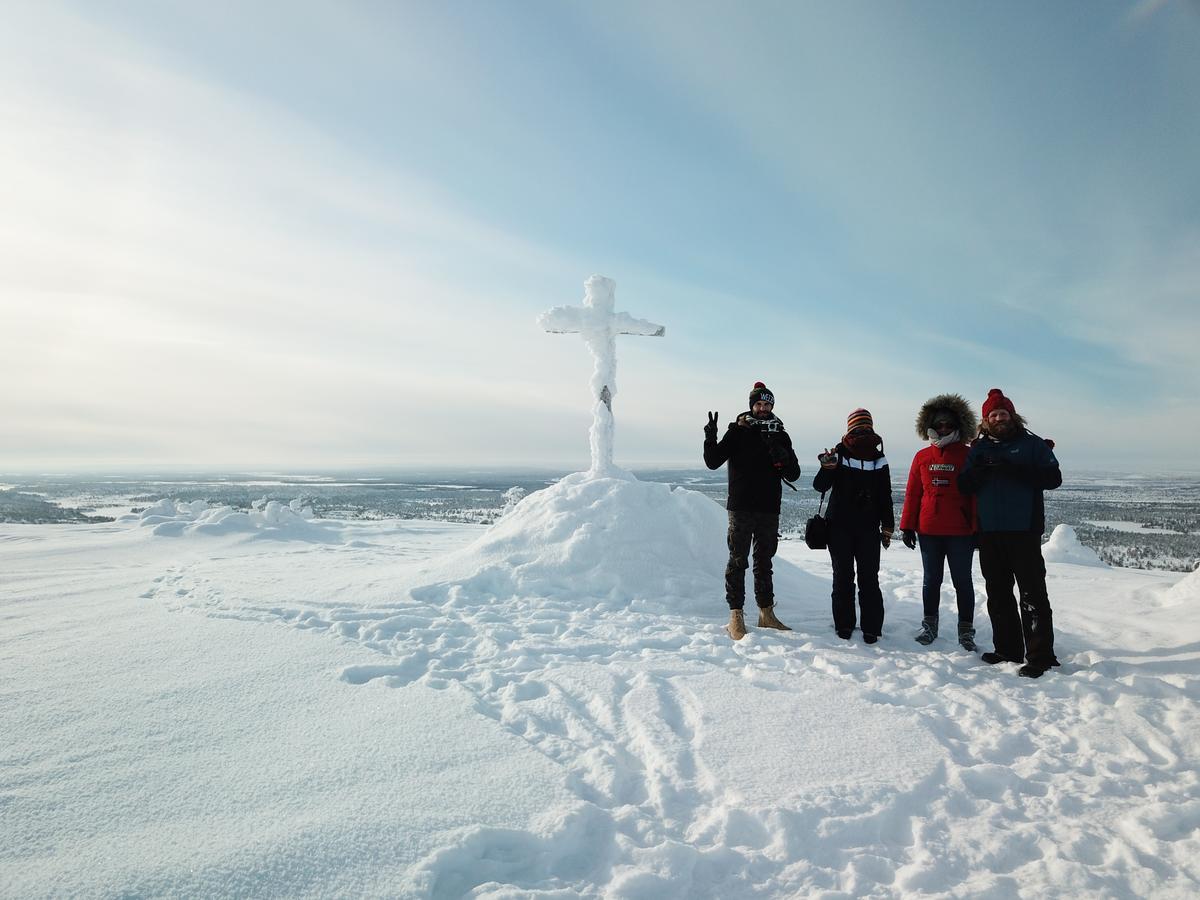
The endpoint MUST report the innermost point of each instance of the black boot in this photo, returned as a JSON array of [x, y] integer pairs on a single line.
[[929, 630], [992, 658], [966, 637]]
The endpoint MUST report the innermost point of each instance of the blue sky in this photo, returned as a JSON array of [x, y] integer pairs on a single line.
[[319, 234]]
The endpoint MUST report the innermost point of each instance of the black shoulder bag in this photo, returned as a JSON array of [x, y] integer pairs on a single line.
[[816, 531]]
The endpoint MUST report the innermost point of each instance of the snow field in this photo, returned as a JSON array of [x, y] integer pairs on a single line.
[[149, 753], [560, 713]]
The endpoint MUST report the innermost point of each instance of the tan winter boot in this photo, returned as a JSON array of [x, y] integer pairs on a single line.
[[737, 624], [766, 619]]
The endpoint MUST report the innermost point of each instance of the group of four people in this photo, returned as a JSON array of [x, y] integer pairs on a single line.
[[975, 485]]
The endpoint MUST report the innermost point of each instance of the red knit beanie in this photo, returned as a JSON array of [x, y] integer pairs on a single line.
[[997, 400]]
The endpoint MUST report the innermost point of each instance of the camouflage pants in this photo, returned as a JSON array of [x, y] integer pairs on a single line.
[[747, 530]]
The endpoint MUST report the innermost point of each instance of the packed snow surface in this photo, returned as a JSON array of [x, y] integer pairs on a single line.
[[551, 708]]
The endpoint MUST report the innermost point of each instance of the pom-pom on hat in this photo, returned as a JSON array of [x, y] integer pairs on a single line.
[[997, 400], [761, 392], [860, 418]]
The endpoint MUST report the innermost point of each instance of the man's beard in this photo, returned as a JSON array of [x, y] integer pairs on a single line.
[[1002, 429]]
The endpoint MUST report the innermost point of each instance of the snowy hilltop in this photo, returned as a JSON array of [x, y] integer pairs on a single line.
[[549, 707], [609, 541]]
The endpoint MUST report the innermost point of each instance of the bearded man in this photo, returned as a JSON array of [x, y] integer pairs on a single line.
[[1007, 469], [761, 458]]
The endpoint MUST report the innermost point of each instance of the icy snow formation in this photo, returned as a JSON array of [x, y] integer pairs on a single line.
[[599, 325], [268, 519], [1064, 547]]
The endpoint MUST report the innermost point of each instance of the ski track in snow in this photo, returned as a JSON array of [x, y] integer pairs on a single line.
[[1083, 783]]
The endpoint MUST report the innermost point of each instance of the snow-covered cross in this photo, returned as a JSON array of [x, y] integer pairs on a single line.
[[599, 325]]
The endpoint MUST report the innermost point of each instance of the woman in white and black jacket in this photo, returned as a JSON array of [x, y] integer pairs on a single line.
[[861, 520]]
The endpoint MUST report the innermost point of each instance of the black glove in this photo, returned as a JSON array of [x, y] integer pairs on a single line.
[[909, 537], [710, 430], [776, 450]]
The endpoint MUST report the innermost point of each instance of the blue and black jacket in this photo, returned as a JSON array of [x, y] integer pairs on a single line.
[[1007, 478]]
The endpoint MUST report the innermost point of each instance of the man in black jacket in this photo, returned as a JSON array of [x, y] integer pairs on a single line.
[[1007, 469], [760, 457]]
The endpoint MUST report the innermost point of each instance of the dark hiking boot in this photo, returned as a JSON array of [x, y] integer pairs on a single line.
[[737, 624], [992, 658], [966, 637], [844, 635], [767, 619], [929, 629], [1031, 670], [870, 638]]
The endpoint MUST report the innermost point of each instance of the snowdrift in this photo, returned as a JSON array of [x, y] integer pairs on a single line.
[[1186, 590], [1064, 547], [270, 520], [610, 540]]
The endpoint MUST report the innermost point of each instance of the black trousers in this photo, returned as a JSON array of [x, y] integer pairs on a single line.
[[1023, 630], [855, 546], [747, 530]]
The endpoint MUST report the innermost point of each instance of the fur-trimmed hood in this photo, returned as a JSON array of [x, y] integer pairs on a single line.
[[957, 406]]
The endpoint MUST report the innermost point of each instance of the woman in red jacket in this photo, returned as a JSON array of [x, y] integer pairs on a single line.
[[939, 515]]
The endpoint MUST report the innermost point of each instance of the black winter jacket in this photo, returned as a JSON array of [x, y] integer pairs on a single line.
[[861, 492], [755, 484]]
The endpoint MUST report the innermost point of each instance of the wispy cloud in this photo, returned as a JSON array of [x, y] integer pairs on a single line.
[[175, 251], [217, 244]]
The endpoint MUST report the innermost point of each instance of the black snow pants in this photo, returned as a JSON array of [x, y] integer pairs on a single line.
[[855, 546], [1024, 630], [746, 529]]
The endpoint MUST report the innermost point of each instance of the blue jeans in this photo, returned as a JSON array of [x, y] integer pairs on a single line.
[[958, 549]]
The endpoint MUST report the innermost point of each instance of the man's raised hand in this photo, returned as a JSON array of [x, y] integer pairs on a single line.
[[710, 430]]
